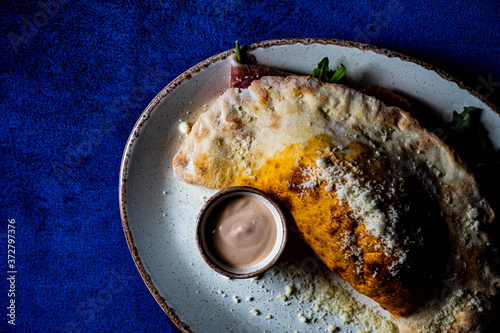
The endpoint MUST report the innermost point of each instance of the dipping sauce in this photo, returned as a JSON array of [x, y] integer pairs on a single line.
[[242, 231]]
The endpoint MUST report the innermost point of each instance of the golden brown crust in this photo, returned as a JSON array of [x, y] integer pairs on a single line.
[[245, 128], [337, 236]]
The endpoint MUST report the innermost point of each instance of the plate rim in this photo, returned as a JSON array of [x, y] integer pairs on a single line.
[[134, 134]]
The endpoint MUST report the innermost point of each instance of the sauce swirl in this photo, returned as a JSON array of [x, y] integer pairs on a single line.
[[242, 231]]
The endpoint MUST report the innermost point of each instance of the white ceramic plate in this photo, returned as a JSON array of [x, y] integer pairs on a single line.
[[159, 212]]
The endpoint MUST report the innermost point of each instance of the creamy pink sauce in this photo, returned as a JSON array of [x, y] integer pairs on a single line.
[[243, 231]]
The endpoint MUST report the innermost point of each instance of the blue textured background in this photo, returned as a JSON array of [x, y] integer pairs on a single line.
[[72, 89]]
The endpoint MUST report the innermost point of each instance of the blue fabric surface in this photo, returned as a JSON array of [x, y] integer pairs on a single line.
[[72, 87]]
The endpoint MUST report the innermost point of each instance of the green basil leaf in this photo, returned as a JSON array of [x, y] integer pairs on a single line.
[[324, 73]]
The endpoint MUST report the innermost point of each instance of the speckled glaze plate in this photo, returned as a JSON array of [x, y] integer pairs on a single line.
[[159, 212]]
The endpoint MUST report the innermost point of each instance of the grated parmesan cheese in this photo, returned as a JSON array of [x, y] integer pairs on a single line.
[[472, 213], [255, 312], [321, 162], [303, 318], [364, 197], [364, 203], [185, 127], [288, 290]]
